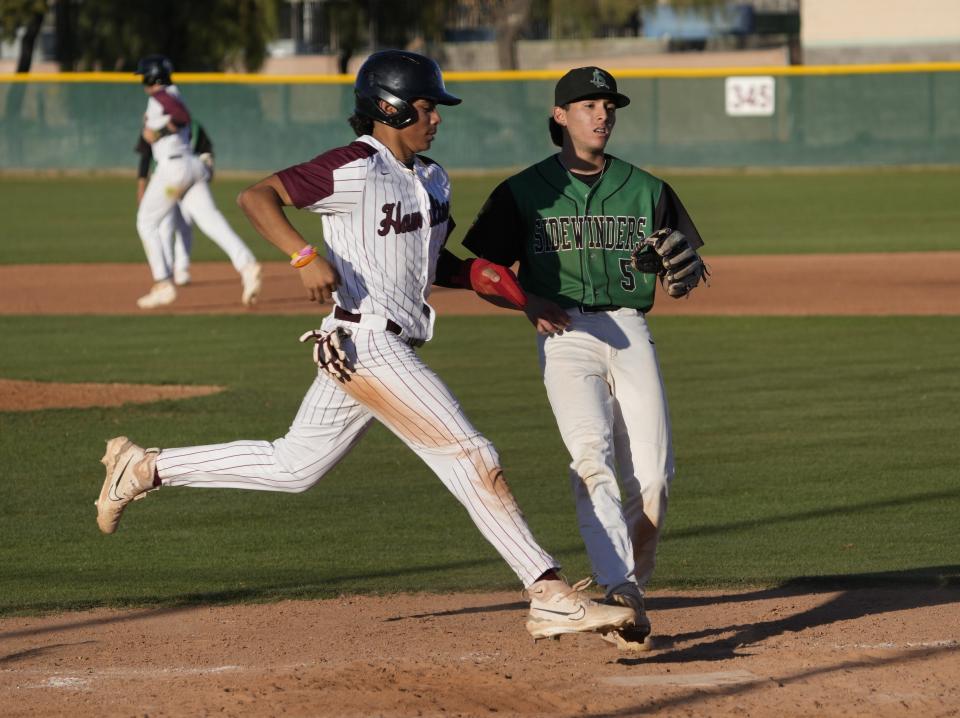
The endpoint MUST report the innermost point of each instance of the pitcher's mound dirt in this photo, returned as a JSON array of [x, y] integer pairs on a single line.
[[33, 395], [871, 653]]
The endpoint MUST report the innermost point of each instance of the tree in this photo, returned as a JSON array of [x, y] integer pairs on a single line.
[[381, 23], [510, 16], [27, 14], [205, 36], [582, 18]]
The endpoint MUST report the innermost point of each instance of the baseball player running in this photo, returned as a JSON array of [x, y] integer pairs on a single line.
[[582, 223], [176, 229], [180, 176], [385, 212]]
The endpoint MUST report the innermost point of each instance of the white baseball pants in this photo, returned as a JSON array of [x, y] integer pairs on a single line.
[[604, 386], [176, 236], [394, 386], [184, 179]]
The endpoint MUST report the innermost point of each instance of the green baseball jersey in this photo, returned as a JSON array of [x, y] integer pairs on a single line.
[[574, 237]]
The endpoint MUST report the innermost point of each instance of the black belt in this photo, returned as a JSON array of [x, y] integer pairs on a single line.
[[392, 327], [598, 308], [174, 157]]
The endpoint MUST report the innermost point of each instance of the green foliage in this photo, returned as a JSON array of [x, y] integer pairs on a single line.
[[395, 24], [198, 37], [14, 14], [806, 447], [582, 18]]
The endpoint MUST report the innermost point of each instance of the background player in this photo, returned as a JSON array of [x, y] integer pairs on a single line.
[[386, 216], [178, 222], [180, 176], [573, 221]]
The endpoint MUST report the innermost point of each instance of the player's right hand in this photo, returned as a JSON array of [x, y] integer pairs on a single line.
[[320, 280], [548, 317]]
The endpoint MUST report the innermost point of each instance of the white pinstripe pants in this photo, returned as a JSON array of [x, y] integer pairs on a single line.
[[184, 180], [393, 385]]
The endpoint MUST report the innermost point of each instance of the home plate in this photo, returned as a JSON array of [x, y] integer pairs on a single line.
[[703, 680]]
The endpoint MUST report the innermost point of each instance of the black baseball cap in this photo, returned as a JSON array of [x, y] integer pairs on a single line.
[[584, 82]]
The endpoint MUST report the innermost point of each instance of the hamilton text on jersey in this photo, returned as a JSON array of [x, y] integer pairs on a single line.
[[397, 221]]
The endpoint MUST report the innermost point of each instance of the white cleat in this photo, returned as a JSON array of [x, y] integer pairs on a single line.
[[160, 295], [130, 471], [250, 276], [557, 608], [181, 277]]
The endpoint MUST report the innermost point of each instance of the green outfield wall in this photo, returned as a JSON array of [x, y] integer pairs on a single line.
[[729, 117]]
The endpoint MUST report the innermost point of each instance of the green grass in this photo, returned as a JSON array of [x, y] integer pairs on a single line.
[[806, 447], [91, 219]]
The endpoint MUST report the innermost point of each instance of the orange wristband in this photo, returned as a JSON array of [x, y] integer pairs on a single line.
[[303, 257]]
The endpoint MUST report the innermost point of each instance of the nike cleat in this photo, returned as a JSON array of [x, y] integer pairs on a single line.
[[635, 637], [130, 472], [557, 608]]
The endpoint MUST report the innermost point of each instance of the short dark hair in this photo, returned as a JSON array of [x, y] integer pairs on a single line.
[[361, 125], [556, 131]]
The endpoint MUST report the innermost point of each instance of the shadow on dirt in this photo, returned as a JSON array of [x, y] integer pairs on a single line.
[[860, 595], [317, 589], [513, 606], [32, 653], [845, 598], [688, 700]]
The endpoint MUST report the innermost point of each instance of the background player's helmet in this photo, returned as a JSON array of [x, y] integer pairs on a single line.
[[156, 70], [398, 78]]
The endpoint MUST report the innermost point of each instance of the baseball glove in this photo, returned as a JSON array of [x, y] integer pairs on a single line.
[[328, 352], [668, 254]]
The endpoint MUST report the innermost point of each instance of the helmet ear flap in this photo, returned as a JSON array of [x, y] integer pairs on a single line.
[[398, 78], [368, 104]]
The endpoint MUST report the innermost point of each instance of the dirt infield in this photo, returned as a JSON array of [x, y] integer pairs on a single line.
[[905, 283], [785, 652], [873, 653]]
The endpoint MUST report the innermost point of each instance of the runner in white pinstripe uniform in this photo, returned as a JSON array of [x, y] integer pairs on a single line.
[[385, 213], [180, 177]]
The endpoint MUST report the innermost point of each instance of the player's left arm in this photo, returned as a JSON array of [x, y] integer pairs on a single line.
[[671, 213], [675, 241]]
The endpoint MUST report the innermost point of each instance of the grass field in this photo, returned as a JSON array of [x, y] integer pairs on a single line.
[[70, 219], [807, 447]]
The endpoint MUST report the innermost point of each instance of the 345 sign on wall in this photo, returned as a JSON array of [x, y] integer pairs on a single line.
[[750, 96]]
